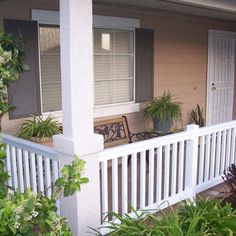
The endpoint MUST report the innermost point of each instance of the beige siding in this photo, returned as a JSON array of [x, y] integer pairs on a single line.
[[181, 45], [180, 50]]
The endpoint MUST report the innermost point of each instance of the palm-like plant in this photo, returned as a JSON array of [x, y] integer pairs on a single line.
[[163, 108], [39, 128]]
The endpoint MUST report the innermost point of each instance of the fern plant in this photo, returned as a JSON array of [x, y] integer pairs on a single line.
[[164, 108], [39, 128]]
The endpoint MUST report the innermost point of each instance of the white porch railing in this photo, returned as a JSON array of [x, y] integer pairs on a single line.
[[30, 165], [165, 170]]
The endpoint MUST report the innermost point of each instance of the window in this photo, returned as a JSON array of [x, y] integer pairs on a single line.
[[113, 63], [113, 66], [50, 68]]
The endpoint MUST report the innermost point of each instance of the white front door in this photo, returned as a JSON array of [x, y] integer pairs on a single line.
[[220, 78]]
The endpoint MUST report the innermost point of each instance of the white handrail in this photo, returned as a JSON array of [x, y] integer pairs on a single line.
[[30, 146]]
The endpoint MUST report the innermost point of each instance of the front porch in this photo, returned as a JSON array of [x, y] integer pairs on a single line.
[[162, 171]]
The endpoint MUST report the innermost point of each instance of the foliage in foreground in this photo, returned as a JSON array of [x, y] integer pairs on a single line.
[[200, 218], [12, 57], [34, 214], [229, 178]]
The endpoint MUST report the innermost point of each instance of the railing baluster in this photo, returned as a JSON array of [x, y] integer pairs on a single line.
[[228, 140], [232, 147], [55, 171], [174, 169], [150, 176], [218, 156], [213, 156], [33, 172], [142, 179], [8, 165], [134, 181], [159, 174], [207, 159], [181, 167], [115, 185], [26, 169], [201, 159], [48, 181], [223, 154], [104, 188], [124, 185], [40, 174], [14, 167], [167, 171], [20, 169]]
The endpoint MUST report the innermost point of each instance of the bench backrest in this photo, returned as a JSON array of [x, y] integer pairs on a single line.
[[115, 131]]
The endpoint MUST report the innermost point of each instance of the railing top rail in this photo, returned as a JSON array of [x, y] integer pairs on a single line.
[[144, 145], [30, 146], [216, 128]]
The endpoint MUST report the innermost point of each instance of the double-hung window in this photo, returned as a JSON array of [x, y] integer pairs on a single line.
[[113, 66], [114, 56]]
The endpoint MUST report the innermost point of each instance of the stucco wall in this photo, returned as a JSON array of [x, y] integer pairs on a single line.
[[180, 50]]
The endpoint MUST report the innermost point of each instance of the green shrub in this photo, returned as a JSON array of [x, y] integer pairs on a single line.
[[199, 218], [34, 214], [12, 58], [39, 128]]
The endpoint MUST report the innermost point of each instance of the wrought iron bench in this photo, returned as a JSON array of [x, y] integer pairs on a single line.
[[116, 132]]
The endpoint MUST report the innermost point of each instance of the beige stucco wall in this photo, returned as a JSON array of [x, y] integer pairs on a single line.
[[180, 62]]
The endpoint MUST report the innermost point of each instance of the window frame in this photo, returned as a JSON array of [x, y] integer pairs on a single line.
[[52, 18]]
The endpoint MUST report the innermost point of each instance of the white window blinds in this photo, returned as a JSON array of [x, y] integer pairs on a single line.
[[50, 68], [113, 66]]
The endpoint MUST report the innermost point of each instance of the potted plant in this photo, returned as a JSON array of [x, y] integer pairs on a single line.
[[164, 110], [39, 129], [197, 116]]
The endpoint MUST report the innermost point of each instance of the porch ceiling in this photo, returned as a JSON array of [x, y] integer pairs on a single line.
[[221, 9]]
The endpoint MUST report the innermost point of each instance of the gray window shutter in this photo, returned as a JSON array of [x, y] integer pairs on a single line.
[[25, 92], [144, 64]]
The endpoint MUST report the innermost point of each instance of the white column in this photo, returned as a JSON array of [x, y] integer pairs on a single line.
[[83, 208], [77, 77], [192, 161]]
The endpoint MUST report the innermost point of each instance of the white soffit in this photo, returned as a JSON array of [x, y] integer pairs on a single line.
[[221, 9]]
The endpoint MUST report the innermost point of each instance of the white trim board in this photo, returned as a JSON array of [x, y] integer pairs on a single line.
[[45, 17], [53, 18]]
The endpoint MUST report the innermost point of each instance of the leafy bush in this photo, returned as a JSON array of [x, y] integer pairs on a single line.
[[39, 128], [12, 57], [229, 178], [202, 217], [34, 214]]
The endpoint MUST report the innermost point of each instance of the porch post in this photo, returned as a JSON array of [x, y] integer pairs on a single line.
[[191, 161], [83, 208]]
